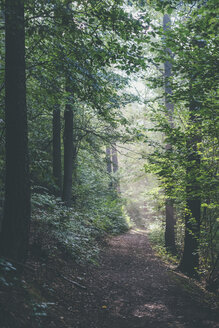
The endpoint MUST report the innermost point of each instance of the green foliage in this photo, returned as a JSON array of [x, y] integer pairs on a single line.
[[40, 309], [7, 273], [89, 43], [186, 160], [77, 233], [156, 237], [156, 233]]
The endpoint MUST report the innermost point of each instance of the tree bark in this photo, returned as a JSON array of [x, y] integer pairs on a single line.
[[17, 209], [115, 160], [169, 211], [170, 226], [115, 165], [108, 160], [57, 163], [190, 259], [68, 153]]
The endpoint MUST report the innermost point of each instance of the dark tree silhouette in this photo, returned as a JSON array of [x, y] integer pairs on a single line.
[[190, 259], [68, 151], [15, 225], [57, 165], [170, 220]]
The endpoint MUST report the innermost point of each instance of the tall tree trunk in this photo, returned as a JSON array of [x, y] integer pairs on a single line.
[[108, 160], [170, 226], [15, 225], [57, 163], [190, 259], [115, 164], [75, 145], [170, 220], [68, 152], [115, 160]]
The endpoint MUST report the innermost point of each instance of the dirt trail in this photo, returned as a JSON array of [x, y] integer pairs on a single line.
[[132, 288]]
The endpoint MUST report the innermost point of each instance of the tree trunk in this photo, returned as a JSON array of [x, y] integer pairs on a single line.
[[68, 153], [57, 163], [15, 225], [115, 167], [190, 259], [115, 160], [75, 146], [170, 227], [170, 220], [108, 160]]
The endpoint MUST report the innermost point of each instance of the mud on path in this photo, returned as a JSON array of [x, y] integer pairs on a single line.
[[132, 288]]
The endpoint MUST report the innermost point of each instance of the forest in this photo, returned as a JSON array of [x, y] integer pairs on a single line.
[[109, 139]]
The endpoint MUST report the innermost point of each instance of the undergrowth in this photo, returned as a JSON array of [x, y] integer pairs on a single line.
[[57, 233], [78, 233], [156, 237], [207, 274]]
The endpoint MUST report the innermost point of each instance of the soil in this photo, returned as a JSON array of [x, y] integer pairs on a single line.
[[130, 288]]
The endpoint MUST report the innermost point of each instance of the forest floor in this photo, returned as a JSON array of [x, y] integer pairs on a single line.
[[130, 288]]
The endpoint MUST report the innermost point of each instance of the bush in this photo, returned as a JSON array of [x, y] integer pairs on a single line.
[[77, 232]]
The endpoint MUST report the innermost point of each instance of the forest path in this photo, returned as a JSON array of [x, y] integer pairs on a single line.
[[132, 288]]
